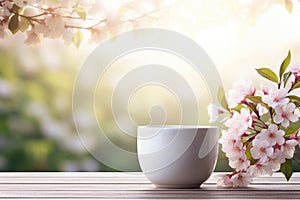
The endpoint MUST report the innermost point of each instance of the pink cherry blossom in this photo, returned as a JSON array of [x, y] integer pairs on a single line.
[[241, 179], [224, 180], [295, 69], [239, 162], [5, 11], [259, 169], [272, 135], [8, 4], [237, 180], [55, 25], [231, 143], [32, 38], [30, 11], [276, 97], [289, 148], [286, 113], [240, 90], [261, 149], [214, 111], [266, 88], [22, 3], [240, 121], [276, 159]]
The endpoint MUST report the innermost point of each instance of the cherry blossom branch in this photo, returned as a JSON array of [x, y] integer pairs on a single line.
[[37, 20], [261, 134]]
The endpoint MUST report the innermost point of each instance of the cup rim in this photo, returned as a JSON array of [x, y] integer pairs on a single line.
[[178, 127]]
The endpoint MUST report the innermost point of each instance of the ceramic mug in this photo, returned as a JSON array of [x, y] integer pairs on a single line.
[[177, 156]]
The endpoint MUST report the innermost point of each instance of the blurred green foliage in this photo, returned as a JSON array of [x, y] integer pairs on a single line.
[[36, 126]]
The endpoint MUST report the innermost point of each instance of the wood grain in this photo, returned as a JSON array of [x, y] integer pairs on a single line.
[[109, 185]]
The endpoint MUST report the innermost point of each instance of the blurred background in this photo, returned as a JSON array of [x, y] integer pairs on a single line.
[[37, 131]]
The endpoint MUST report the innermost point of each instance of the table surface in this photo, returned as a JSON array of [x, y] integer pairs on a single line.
[[111, 185]]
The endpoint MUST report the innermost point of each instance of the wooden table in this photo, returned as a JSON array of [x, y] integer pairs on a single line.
[[107, 185]]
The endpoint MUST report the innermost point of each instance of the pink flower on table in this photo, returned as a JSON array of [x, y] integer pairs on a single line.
[[240, 90], [286, 113], [272, 135], [276, 97], [289, 148], [239, 162], [214, 111], [241, 179], [240, 121], [276, 159], [259, 169], [261, 149], [224, 180], [237, 180]]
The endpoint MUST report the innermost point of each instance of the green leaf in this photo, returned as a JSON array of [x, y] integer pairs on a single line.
[[288, 5], [248, 153], [81, 12], [297, 85], [295, 124], [246, 138], [287, 169], [238, 108], [294, 98], [23, 24], [77, 38], [222, 98], [15, 8], [254, 99], [221, 94], [290, 131], [285, 63], [268, 74], [13, 24], [251, 106], [297, 103], [266, 117], [286, 77]]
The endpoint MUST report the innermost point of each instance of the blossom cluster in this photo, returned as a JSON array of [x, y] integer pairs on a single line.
[[262, 130], [68, 20]]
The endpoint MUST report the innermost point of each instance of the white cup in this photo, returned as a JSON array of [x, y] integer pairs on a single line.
[[177, 156]]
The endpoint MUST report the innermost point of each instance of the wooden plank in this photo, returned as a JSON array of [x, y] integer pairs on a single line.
[[115, 181], [105, 174], [107, 177], [108, 185], [152, 194], [129, 187]]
